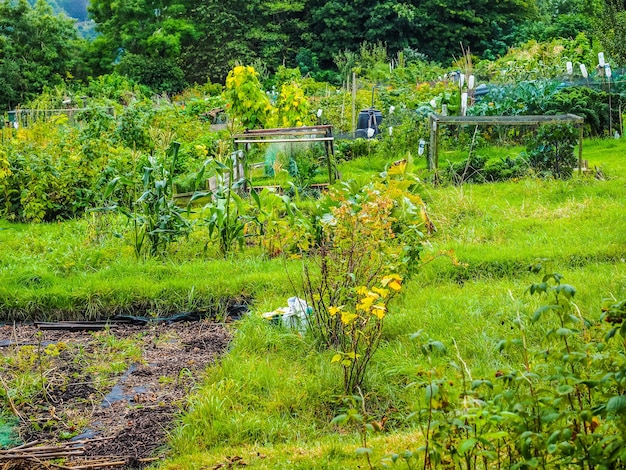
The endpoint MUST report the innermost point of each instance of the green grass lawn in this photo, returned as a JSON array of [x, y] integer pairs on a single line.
[[271, 400]]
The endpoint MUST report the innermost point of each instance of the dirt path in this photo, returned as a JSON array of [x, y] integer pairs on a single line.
[[116, 391]]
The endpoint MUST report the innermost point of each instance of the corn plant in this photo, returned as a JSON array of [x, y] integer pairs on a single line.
[[228, 213], [156, 219]]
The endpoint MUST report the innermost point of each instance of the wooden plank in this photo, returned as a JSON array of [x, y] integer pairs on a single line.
[[283, 129], [509, 120], [276, 141], [322, 129], [278, 134]]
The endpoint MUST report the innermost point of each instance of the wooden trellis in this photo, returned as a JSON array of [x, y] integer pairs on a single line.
[[437, 120], [322, 133]]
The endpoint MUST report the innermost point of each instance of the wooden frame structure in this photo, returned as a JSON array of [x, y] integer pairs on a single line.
[[322, 133], [26, 117], [437, 120]]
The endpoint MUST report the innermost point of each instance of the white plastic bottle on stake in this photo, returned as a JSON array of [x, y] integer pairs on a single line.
[[463, 104]]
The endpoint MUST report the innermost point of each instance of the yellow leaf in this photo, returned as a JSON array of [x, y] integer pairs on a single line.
[[334, 310], [389, 278], [366, 303], [336, 358], [379, 311], [395, 285], [347, 317], [382, 292], [397, 169]]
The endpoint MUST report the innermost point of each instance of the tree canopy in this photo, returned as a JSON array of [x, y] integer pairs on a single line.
[[169, 44], [37, 49]]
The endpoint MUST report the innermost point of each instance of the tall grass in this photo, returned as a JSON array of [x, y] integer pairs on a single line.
[[496, 232], [272, 397]]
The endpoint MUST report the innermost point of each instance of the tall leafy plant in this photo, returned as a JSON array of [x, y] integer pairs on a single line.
[[369, 240], [156, 219], [245, 98], [228, 213]]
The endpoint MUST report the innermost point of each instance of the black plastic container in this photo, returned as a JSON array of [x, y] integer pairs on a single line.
[[368, 119]]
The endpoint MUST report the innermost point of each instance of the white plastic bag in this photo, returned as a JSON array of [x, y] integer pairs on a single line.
[[295, 316]]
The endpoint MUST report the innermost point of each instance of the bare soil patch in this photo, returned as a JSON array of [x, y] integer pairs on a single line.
[[113, 394]]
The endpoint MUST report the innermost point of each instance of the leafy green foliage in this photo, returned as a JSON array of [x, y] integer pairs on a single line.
[[155, 218], [551, 150], [48, 180], [245, 98], [145, 39], [535, 60], [369, 239], [525, 97], [37, 49], [591, 104], [562, 406], [480, 170], [611, 29], [227, 215]]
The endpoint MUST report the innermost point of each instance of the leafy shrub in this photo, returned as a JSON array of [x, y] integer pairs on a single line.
[[551, 151], [563, 406], [591, 104], [49, 180], [535, 60], [477, 169], [369, 239], [292, 107], [246, 100]]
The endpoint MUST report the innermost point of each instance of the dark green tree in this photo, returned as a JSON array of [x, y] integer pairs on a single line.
[[145, 38], [37, 49], [271, 31], [222, 28], [611, 29], [337, 25], [433, 27], [278, 30], [558, 19]]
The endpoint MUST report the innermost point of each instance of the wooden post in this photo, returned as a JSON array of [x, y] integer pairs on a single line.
[[433, 148], [328, 145], [354, 102], [580, 150]]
